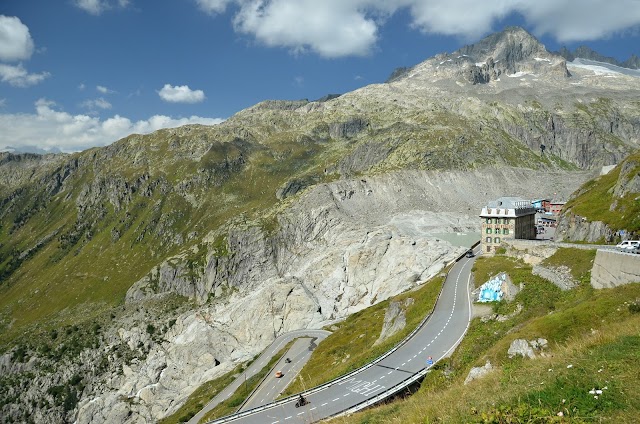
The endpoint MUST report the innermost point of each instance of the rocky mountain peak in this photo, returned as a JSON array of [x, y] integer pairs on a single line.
[[510, 52], [512, 45]]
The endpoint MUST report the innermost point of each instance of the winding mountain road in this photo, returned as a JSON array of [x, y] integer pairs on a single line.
[[437, 338], [260, 362]]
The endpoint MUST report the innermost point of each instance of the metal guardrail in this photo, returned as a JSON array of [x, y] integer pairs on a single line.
[[391, 391]]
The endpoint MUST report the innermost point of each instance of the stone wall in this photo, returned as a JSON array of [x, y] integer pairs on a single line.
[[612, 269]]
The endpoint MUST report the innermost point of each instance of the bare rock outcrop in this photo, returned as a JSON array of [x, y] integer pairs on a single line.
[[394, 319], [478, 372], [527, 349]]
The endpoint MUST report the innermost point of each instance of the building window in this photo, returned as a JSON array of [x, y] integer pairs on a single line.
[[488, 239], [488, 248], [496, 240], [488, 230], [505, 231], [488, 220]]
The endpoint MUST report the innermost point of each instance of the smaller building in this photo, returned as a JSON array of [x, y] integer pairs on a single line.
[[547, 221], [555, 207], [541, 205], [507, 218]]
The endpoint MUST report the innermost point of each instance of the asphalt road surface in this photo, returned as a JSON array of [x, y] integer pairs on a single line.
[[271, 388], [437, 339], [259, 363]]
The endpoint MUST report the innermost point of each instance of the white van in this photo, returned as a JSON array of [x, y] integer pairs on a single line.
[[628, 245]]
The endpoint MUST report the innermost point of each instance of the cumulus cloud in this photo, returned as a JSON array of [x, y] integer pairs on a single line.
[[213, 6], [578, 20], [95, 104], [15, 40], [16, 44], [180, 94], [336, 28], [104, 90], [18, 76], [50, 128], [331, 28], [96, 7]]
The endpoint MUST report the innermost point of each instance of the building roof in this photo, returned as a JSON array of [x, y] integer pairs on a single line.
[[509, 203], [508, 207]]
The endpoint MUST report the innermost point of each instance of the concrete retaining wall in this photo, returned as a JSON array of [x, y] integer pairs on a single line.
[[612, 269]]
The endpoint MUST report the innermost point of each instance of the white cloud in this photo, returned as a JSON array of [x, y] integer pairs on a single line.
[[17, 76], [96, 7], [331, 28], [99, 103], [49, 128], [578, 20], [3, 103], [180, 94], [336, 28], [104, 90], [93, 7], [81, 86], [15, 40], [213, 6]]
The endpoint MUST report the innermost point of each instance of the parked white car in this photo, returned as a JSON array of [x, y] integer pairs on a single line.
[[628, 245]]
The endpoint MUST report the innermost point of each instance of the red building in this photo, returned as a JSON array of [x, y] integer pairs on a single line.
[[556, 207]]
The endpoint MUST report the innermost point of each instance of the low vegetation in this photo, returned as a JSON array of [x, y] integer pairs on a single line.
[[579, 261], [352, 343], [596, 200], [587, 374], [201, 396]]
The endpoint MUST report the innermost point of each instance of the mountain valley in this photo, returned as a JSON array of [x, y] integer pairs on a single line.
[[132, 274]]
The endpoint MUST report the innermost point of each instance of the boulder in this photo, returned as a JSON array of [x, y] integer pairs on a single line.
[[478, 372]]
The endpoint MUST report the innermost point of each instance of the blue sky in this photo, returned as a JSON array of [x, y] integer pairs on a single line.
[[82, 73]]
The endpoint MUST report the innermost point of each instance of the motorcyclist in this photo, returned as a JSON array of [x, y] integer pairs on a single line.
[[302, 400]]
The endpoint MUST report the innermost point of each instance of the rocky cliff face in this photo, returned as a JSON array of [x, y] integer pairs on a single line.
[[295, 213]]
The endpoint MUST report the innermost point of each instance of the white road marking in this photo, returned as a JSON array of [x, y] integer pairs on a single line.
[[324, 404], [335, 399]]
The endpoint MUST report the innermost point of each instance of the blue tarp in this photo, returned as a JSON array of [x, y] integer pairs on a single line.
[[491, 291]]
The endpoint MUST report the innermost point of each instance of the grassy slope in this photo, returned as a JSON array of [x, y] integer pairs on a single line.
[[67, 283], [595, 198], [596, 333]]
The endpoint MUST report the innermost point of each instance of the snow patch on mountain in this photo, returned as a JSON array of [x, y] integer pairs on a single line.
[[602, 68]]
